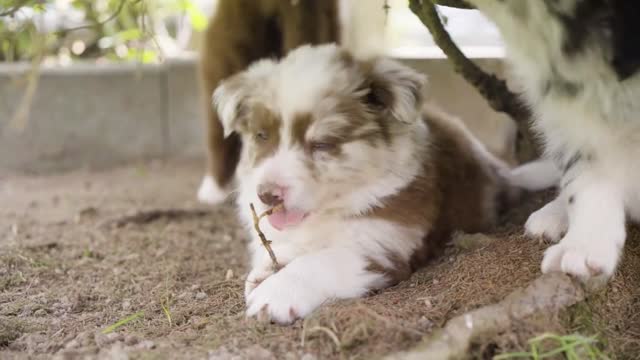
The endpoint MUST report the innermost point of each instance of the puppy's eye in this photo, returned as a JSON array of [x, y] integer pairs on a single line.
[[318, 146], [262, 135]]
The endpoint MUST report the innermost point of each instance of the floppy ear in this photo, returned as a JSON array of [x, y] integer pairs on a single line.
[[395, 88], [229, 101], [230, 98]]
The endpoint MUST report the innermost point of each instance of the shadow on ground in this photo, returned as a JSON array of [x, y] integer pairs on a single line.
[[79, 252]]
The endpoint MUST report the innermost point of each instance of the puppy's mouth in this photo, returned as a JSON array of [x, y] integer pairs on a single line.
[[284, 218]]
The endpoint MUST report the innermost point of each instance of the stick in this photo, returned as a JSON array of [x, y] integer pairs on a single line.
[[266, 243], [492, 89]]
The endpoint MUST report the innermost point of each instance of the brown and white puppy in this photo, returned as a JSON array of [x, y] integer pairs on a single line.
[[372, 183], [239, 33]]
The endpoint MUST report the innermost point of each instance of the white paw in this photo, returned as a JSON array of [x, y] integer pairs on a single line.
[[550, 222], [283, 298], [210, 193], [585, 257], [255, 278]]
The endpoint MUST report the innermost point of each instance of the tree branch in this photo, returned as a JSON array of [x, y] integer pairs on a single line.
[[99, 23], [12, 10], [492, 89]]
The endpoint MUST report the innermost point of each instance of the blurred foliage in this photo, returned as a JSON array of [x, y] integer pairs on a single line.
[[64, 30]]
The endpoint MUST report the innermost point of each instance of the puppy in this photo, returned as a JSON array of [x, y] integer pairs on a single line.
[[372, 183], [579, 62], [240, 32]]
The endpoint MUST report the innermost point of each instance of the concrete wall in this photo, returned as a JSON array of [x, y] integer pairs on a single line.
[[98, 116]]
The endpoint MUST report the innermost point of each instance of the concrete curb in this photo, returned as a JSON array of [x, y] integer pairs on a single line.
[[101, 115], [90, 115]]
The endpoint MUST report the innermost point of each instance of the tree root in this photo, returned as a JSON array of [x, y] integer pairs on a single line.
[[549, 293]]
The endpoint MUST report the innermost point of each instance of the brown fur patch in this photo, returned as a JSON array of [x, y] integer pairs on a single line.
[[399, 270], [301, 123], [455, 190], [264, 127]]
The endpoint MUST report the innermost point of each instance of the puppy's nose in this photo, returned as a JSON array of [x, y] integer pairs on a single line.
[[271, 194]]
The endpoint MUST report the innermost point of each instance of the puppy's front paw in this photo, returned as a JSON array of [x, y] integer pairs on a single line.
[[282, 299], [255, 278], [549, 223], [585, 257]]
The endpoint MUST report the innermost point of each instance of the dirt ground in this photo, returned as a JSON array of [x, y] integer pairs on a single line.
[[72, 264]]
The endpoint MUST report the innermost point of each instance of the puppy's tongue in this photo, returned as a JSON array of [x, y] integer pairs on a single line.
[[286, 218]]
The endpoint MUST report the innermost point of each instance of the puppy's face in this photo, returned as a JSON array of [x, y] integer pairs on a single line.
[[319, 128]]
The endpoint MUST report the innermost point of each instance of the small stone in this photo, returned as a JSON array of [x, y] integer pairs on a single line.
[[130, 340], [40, 312], [102, 340], [229, 275], [126, 305], [85, 213], [436, 281], [201, 296], [115, 352], [72, 344], [471, 241], [425, 323], [146, 344]]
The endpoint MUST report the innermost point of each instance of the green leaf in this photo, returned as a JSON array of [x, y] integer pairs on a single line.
[[196, 16], [130, 34], [122, 322]]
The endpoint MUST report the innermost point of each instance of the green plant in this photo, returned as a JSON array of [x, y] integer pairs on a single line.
[[65, 30], [570, 347]]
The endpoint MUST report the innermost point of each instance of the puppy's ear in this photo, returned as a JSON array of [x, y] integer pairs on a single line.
[[229, 100], [231, 97], [395, 88]]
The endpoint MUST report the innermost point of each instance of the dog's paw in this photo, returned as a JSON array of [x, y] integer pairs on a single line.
[[549, 223], [255, 278], [282, 299], [210, 192], [584, 257]]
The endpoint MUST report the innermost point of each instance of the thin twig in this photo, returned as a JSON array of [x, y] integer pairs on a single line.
[[12, 10], [492, 89], [266, 243], [89, 26]]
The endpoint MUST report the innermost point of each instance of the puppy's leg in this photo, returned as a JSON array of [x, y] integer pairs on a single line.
[[595, 238], [229, 46], [308, 281], [550, 222]]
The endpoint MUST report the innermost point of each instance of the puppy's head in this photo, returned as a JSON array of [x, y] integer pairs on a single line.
[[321, 130]]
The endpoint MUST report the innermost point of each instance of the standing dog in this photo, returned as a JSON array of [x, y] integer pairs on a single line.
[[371, 182], [578, 61]]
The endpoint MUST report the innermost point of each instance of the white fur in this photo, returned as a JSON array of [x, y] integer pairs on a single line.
[[536, 175], [210, 192], [601, 121], [596, 235], [325, 256], [550, 222]]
